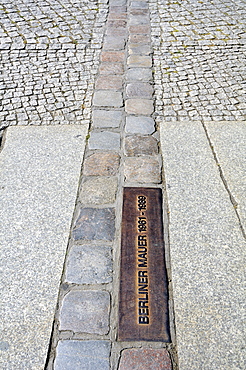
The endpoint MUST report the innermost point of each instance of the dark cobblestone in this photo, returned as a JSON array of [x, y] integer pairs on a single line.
[[95, 224]]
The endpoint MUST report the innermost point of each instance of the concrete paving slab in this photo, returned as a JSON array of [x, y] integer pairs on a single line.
[[229, 143], [40, 170], [207, 251]]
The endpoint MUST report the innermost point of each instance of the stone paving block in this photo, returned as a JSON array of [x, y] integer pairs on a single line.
[[105, 140], [89, 264], [139, 39], [107, 118], [207, 251], [139, 74], [139, 106], [82, 355], [106, 83], [119, 31], [139, 5], [85, 311], [40, 170], [116, 23], [117, 3], [140, 49], [139, 61], [114, 42], [140, 125], [102, 164], [140, 145], [98, 190], [145, 359], [95, 224], [142, 170], [107, 99], [112, 56], [140, 29], [111, 68], [120, 15], [139, 90], [138, 17]]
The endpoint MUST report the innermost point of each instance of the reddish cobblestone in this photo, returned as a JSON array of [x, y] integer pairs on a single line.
[[111, 68], [145, 359], [112, 56], [105, 83]]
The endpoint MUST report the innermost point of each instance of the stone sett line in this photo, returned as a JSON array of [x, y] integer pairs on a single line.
[[48, 61], [199, 59], [122, 150]]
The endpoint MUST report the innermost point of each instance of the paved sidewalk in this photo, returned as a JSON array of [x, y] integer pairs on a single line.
[[99, 95]]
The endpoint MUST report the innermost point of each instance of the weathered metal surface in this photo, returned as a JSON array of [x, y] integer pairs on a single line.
[[143, 302]]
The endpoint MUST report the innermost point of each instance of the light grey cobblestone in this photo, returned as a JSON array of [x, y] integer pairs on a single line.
[[199, 59], [49, 58]]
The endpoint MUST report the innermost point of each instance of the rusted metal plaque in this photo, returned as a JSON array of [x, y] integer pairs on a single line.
[[143, 302]]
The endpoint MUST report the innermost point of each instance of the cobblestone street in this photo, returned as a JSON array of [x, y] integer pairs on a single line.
[[97, 96]]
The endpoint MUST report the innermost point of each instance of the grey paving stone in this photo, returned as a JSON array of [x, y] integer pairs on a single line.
[[139, 39], [140, 145], [139, 106], [140, 49], [140, 29], [140, 125], [105, 140], [142, 170], [139, 4], [95, 224], [139, 74], [114, 43], [138, 17], [98, 190], [207, 253], [40, 171], [82, 355], [85, 311], [228, 140], [139, 90], [102, 164], [107, 118], [139, 61], [104, 98], [89, 264]]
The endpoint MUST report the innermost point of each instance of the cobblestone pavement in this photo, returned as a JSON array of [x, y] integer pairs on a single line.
[[92, 62], [199, 59], [49, 57]]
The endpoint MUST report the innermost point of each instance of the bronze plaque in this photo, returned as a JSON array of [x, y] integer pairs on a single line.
[[143, 302]]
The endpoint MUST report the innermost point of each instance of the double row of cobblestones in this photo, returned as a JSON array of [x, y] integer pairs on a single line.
[[48, 62], [122, 150], [199, 59]]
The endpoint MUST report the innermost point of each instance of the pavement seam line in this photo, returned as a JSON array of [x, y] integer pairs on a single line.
[[231, 197]]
